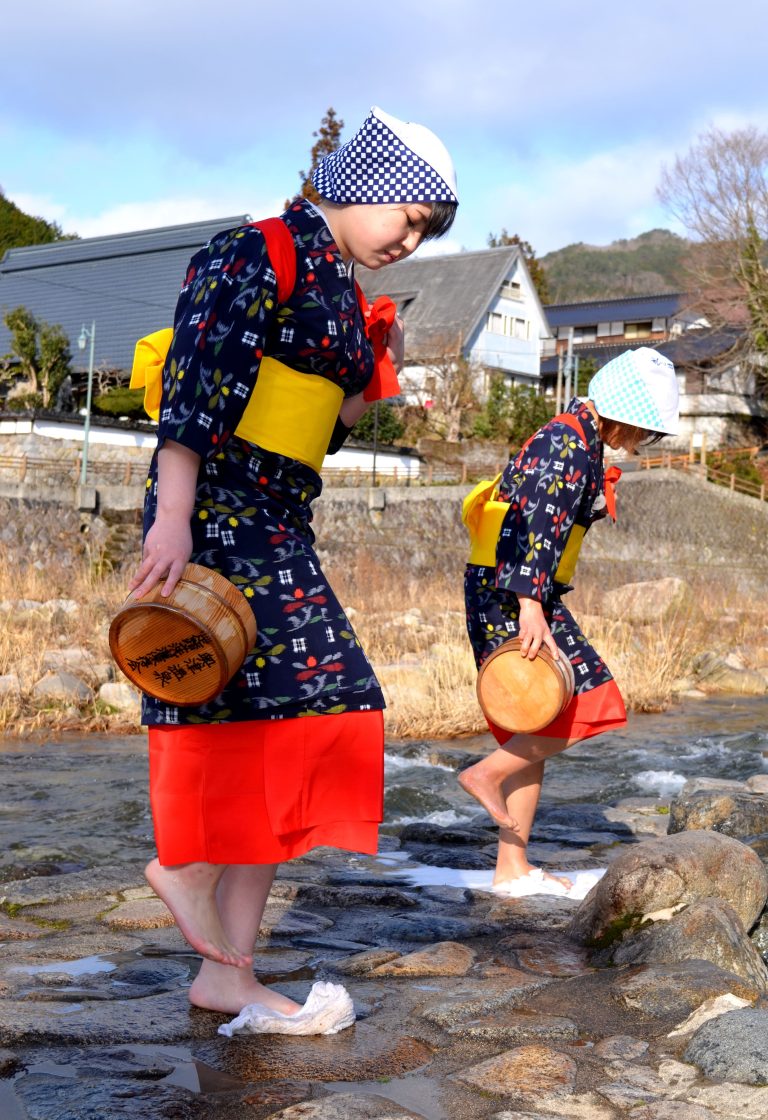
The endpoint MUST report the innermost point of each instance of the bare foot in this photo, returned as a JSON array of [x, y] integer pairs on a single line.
[[488, 793], [217, 988], [520, 873], [189, 892]]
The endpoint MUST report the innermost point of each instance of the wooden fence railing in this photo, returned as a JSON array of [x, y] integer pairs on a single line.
[[712, 473]]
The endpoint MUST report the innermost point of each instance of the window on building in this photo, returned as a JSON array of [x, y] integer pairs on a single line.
[[639, 330], [585, 334], [520, 328], [511, 289], [603, 329], [495, 323], [617, 326], [659, 325]]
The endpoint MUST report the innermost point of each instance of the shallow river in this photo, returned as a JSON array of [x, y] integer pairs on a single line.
[[80, 802]]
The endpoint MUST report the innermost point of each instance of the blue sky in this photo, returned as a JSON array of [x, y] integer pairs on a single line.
[[559, 114]]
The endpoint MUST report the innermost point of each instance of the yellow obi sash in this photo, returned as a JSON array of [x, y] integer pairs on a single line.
[[288, 412], [484, 514]]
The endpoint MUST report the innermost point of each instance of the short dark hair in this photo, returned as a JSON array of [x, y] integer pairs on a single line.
[[440, 220]]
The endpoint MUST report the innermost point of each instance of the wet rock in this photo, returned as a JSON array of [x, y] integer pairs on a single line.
[[733, 1047], [64, 687], [708, 930], [732, 812], [422, 832], [347, 1106], [96, 882], [467, 859], [641, 815], [421, 927], [714, 674], [9, 1062], [120, 696], [648, 602], [363, 1053], [553, 959], [539, 912], [284, 921], [675, 990], [577, 817], [354, 897], [44, 1096], [665, 872], [360, 963], [621, 1047], [516, 1026], [447, 958], [142, 913], [468, 1003], [16, 929], [526, 1073]]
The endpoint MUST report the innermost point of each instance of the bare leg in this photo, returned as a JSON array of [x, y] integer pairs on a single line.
[[242, 895], [189, 892]]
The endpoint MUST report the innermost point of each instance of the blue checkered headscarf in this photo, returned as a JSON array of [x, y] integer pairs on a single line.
[[638, 387], [388, 160]]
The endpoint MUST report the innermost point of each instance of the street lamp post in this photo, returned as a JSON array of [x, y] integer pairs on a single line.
[[86, 334]]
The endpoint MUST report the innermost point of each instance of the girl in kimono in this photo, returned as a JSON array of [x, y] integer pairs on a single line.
[[556, 488], [254, 393]]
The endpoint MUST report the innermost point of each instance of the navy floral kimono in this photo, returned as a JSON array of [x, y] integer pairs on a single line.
[[252, 511], [554, 486]]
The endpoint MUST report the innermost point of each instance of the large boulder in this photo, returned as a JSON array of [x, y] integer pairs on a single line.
[[709, 930], [715, 674], [663, 873], [648, 602], [733, 1047], [732, 808]]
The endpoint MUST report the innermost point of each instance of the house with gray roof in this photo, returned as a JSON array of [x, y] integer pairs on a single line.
[[127, 284], [480, 305]]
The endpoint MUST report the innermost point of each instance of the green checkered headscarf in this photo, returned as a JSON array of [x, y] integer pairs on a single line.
[[638, 387]]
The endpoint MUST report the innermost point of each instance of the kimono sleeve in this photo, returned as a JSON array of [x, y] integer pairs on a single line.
[[224, 313], [546, 492]]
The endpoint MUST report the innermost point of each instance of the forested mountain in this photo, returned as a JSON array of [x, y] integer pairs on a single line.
[[644, 265], [18, 228]]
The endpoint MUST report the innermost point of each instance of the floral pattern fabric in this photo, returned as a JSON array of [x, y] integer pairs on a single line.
[[252, 513], [555, 482]]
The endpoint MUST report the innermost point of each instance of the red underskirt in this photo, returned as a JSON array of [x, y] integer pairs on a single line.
[[589, 713], [264, 791]]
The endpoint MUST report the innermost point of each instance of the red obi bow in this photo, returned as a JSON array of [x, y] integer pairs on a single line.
[[611, 476], [379, 317]]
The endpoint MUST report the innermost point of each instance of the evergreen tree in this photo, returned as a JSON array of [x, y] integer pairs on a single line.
[[39, 352], [327, 140], [389, 428], [18, 229]]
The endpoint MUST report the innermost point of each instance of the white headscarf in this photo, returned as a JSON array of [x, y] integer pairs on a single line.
[[638, 387]]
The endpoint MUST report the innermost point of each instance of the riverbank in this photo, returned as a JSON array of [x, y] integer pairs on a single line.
[[471, 1006], [672, 637]]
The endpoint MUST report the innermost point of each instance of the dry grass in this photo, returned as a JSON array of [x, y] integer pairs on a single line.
[[412, 629]]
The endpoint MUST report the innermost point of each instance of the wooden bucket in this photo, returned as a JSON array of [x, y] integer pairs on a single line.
[[521, 695], [186, 647]]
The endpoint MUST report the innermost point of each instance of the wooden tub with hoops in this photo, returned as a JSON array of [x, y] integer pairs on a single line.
[[184, 648], [523, 695]]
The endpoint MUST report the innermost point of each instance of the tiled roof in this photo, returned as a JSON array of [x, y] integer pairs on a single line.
[[630, 309], [126, 283], [450, 294], [689, 348]]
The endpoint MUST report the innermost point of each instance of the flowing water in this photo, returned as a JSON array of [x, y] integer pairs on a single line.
[[81, 802]]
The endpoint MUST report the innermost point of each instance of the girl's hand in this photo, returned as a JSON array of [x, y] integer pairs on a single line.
[[167, 549], [534, 630], [396, 344]]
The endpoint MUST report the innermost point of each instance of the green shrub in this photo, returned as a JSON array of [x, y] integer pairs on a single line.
[[121, 402]]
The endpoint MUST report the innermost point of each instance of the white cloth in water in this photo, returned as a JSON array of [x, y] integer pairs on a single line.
[[427, 876], [328, 1010], [535, 882]]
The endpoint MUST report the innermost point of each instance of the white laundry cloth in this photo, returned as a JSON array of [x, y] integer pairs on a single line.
[[328, 1010], [427, 876]]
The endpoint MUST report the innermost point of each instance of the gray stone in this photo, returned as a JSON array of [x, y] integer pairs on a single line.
[[93, 883], [673, 991], [466, 1003], [507, 1026], [714, 674], [64, 687], [665, 872], [731, 1100], [9, 684], [8, 1062], [707, 930], [621, 1047], [352, 897], [648, 602], [739, 813], [120, 696], [347, 1106], [422, 832], [733, 1047], [526, 1073]]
